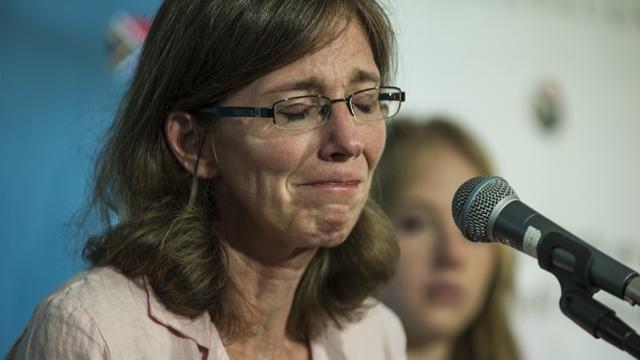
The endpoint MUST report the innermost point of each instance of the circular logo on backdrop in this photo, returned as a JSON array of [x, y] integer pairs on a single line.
[[547, 105]]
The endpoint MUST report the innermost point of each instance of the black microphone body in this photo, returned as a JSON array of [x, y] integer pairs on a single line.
[[486, 209], [523, 228]]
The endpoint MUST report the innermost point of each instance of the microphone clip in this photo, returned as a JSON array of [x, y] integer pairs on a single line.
[[568, 260], [570, 264]]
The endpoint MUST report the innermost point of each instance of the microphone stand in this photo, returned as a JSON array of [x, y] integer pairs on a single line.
[[577, 301]]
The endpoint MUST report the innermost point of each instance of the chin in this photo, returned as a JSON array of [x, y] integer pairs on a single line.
[[326, 226], [328, 232], [336, 240], [336, 229], [444, 325], [330, 235]]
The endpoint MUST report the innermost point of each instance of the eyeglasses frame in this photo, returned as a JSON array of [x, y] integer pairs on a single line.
[[263, 112]]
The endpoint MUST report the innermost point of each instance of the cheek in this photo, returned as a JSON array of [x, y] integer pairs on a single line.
[[414, 264], [481, 268], [405, 292], [256, 154], [375, 141], [276, 156]]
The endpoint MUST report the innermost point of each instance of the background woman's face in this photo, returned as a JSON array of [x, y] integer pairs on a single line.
[[442, 279], [285, 189]]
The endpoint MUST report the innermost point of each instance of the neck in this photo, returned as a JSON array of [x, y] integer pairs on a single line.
[[267, 291], [437, 350]]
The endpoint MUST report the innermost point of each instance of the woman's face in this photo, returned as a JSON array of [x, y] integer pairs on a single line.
[[442, 279], [278, 190]]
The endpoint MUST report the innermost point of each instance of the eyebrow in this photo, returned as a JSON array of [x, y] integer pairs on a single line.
[[311, 83], [360, 76], [315, 83], [421, 205]]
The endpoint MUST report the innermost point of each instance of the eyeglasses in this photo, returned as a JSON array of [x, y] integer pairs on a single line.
[[311, 111]]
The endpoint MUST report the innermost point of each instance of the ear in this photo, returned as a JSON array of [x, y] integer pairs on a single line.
[[183, 138]]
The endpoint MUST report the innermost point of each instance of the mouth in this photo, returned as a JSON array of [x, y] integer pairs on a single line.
[[332, 191], [444, 292], [337, 183], [344, 187]]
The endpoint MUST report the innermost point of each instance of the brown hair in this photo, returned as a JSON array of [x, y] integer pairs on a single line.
[[158, 218], [487, 337]]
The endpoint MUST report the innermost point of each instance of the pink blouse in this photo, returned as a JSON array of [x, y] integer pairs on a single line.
[[102, 314]]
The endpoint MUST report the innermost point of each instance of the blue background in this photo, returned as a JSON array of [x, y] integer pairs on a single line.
[[57, 95]]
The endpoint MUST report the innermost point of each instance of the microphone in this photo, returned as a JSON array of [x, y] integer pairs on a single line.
[[486, 209]]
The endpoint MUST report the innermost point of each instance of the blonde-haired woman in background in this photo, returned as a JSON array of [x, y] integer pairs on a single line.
[[450, 293]]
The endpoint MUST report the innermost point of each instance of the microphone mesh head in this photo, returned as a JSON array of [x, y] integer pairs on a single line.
[[457, 206], [473, 203]]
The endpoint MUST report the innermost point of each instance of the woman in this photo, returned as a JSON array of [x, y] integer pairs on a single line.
[[234, 191], [450, 293]]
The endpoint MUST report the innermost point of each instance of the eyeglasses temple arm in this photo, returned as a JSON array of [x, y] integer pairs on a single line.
[[392, 96], [228, 111]]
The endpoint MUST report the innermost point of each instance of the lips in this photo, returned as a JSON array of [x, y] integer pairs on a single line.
[[322, 188], [334, 189], [336, 179], [444, 292], [328, 189], [334, 182]]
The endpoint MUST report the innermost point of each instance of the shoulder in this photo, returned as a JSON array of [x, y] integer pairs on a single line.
[[98, 292], [378, 325], [102, 314], [377, 334], [76, 320]]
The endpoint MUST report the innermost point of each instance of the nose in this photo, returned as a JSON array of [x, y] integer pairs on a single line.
[[450, 246], [343, 138]]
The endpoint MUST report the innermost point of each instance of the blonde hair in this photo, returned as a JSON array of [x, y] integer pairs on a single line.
[[488, 336], [158, 220]]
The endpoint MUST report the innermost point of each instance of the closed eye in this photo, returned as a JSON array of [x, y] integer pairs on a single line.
[[296, 111], [365, 103]]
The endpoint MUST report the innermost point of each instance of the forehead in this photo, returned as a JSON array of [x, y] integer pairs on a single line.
[[439, 170], [347, 60]]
